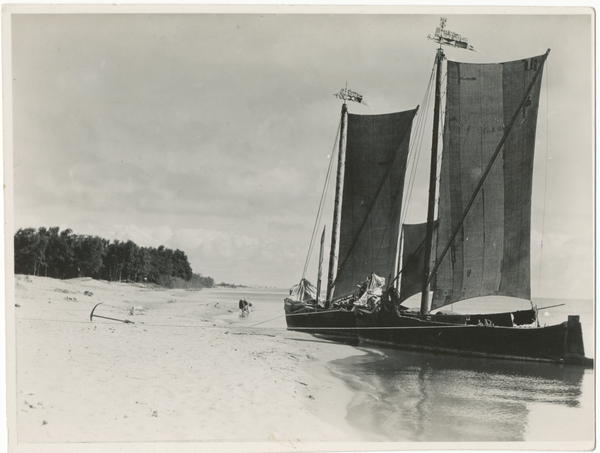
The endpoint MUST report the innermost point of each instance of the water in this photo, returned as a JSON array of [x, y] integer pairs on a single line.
[[409, 396], [416, 397], [266, 311]]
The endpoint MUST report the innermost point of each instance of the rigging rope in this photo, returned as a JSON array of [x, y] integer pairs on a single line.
[[368, 212], [322, 201], [417, 143], [414, 145], [247, 327], [487, 170], [438, 176], [545, 181]]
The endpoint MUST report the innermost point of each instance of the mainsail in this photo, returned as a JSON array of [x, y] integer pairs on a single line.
[[376, 155], [490, 253]]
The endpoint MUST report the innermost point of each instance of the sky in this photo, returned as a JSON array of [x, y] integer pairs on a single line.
[[212, 133]]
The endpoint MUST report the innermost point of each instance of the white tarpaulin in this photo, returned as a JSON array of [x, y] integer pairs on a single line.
[[373, 292], [303, 291]]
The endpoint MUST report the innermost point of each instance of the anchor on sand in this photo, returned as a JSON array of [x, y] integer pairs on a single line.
[[126, 321]]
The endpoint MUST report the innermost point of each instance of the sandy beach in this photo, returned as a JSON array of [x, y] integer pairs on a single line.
[[187, 373], [180, 371]]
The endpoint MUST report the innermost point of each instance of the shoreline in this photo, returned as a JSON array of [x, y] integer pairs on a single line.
[[178, 373], [193, 375]]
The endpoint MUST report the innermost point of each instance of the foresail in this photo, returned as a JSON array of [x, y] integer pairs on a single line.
[[490, 254], [413, 255], [376, 154]]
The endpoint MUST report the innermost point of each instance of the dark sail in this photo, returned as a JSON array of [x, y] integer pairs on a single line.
[[413, 254], [490, 254], [376, 154]]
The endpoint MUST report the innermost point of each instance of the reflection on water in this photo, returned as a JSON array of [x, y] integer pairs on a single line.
[[416, 396], [409, 396]]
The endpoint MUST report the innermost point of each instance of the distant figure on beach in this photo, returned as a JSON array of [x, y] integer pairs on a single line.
[[244, 306]]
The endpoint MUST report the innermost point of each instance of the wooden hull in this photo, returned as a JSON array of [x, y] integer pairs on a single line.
[[335, 324], [561, 343]]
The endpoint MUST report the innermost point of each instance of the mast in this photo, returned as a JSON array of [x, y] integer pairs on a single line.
[[432, 184], [320, 266], [337, 210], [448, 38]]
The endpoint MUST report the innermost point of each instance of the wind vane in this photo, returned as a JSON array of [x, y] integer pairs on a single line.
[[449, 38], [348, 95]]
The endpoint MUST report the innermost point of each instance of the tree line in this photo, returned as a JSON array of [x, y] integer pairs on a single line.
[[53, 253]]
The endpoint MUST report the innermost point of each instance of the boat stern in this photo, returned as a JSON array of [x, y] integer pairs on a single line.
[[574, 350]]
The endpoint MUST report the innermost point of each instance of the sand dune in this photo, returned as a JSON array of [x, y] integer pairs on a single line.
[[178, 373]]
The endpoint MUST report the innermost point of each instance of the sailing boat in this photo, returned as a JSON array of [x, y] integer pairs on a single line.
[[477, 247], [372, 158]]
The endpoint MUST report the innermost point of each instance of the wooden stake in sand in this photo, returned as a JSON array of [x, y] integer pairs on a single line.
[[126, 321]]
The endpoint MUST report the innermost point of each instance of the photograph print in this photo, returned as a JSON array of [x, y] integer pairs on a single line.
[[278, 228]]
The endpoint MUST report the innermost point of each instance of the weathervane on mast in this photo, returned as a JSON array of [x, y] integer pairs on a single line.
[[449, 38], [348, 95]]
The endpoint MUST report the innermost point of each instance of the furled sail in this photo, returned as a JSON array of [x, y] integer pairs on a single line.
[[376, 154], [490, 254], [303, 291]]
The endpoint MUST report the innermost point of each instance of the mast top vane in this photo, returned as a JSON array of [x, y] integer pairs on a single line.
[[348, 95], [449, 38]]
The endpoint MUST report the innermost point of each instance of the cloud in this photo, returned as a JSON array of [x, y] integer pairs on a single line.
[[223, 255], [143, 236], [209, 133]]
